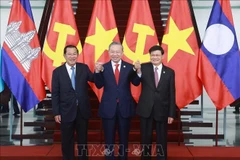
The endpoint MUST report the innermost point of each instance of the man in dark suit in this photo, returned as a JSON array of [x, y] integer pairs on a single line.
[[117, 104], [70, 101], [156, 103]]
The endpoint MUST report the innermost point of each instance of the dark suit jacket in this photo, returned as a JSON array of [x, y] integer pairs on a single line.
[[64, 97], [158, 101], [112, 91]]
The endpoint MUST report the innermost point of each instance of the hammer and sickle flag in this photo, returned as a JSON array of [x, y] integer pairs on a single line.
[[140, 35], [101, 32], [181, 48], [62, 31]]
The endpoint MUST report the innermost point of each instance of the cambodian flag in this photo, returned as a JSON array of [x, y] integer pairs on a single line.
[[219, 63], [21, 57], [1, 81]]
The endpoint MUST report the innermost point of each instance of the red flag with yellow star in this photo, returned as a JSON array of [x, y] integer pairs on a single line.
[[140, 35], [62, 31], [101, 32], [181, 52]]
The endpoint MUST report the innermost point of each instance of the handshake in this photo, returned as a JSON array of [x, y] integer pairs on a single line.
[[99, 67]]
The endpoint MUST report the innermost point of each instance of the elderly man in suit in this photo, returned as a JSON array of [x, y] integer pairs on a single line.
[[117, 104], [70, 102], [156, 103]]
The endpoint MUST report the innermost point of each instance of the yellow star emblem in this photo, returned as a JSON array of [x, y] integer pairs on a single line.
[[177, 40], [101, 39]]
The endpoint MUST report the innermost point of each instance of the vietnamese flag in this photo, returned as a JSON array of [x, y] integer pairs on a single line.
[[101, 33], [140, 35], [62, 31], [181, 48]]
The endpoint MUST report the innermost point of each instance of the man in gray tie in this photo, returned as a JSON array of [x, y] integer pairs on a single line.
[[156, 103], [70, 102]]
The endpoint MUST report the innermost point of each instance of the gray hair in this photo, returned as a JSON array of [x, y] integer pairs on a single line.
[[115, 43]]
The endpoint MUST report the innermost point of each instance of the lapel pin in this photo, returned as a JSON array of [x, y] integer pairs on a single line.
[[124, 66], [163, 72]]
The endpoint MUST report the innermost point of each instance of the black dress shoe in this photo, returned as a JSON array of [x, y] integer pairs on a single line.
[[16, 114]]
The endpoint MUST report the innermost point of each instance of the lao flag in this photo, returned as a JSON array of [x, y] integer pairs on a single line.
[[219, 62], [21, 57]]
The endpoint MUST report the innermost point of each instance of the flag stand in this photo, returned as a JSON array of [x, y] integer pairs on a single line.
[[21, 128], [201, 105], [224, 122], [11, 118], [216, 135], [179, 126]]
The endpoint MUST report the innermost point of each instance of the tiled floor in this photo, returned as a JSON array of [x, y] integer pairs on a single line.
[[232, 132], [7, 128]]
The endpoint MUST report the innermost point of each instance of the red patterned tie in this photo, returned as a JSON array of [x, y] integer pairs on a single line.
[[156, 76], [116, 73]]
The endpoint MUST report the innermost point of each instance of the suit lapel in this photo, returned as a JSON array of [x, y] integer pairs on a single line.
[[150, 75], [78, 75], [122, 72], [65, 74], [109, 69], [111, 73], [163, 77]]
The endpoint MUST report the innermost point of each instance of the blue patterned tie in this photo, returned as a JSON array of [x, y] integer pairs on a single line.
[[73, 77]]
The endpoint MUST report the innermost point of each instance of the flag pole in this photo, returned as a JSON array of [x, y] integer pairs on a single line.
[[21, 128], [199, 43], [216, 134], [179, 125], [11, 117], [44, 21]]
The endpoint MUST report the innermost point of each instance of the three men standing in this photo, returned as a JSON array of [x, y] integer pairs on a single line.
[[71, 102]]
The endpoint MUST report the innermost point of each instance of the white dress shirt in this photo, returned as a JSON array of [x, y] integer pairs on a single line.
[[69, 70], [114, 67], [159, 70]]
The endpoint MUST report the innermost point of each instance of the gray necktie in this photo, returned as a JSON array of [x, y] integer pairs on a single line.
[[73, 77]]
